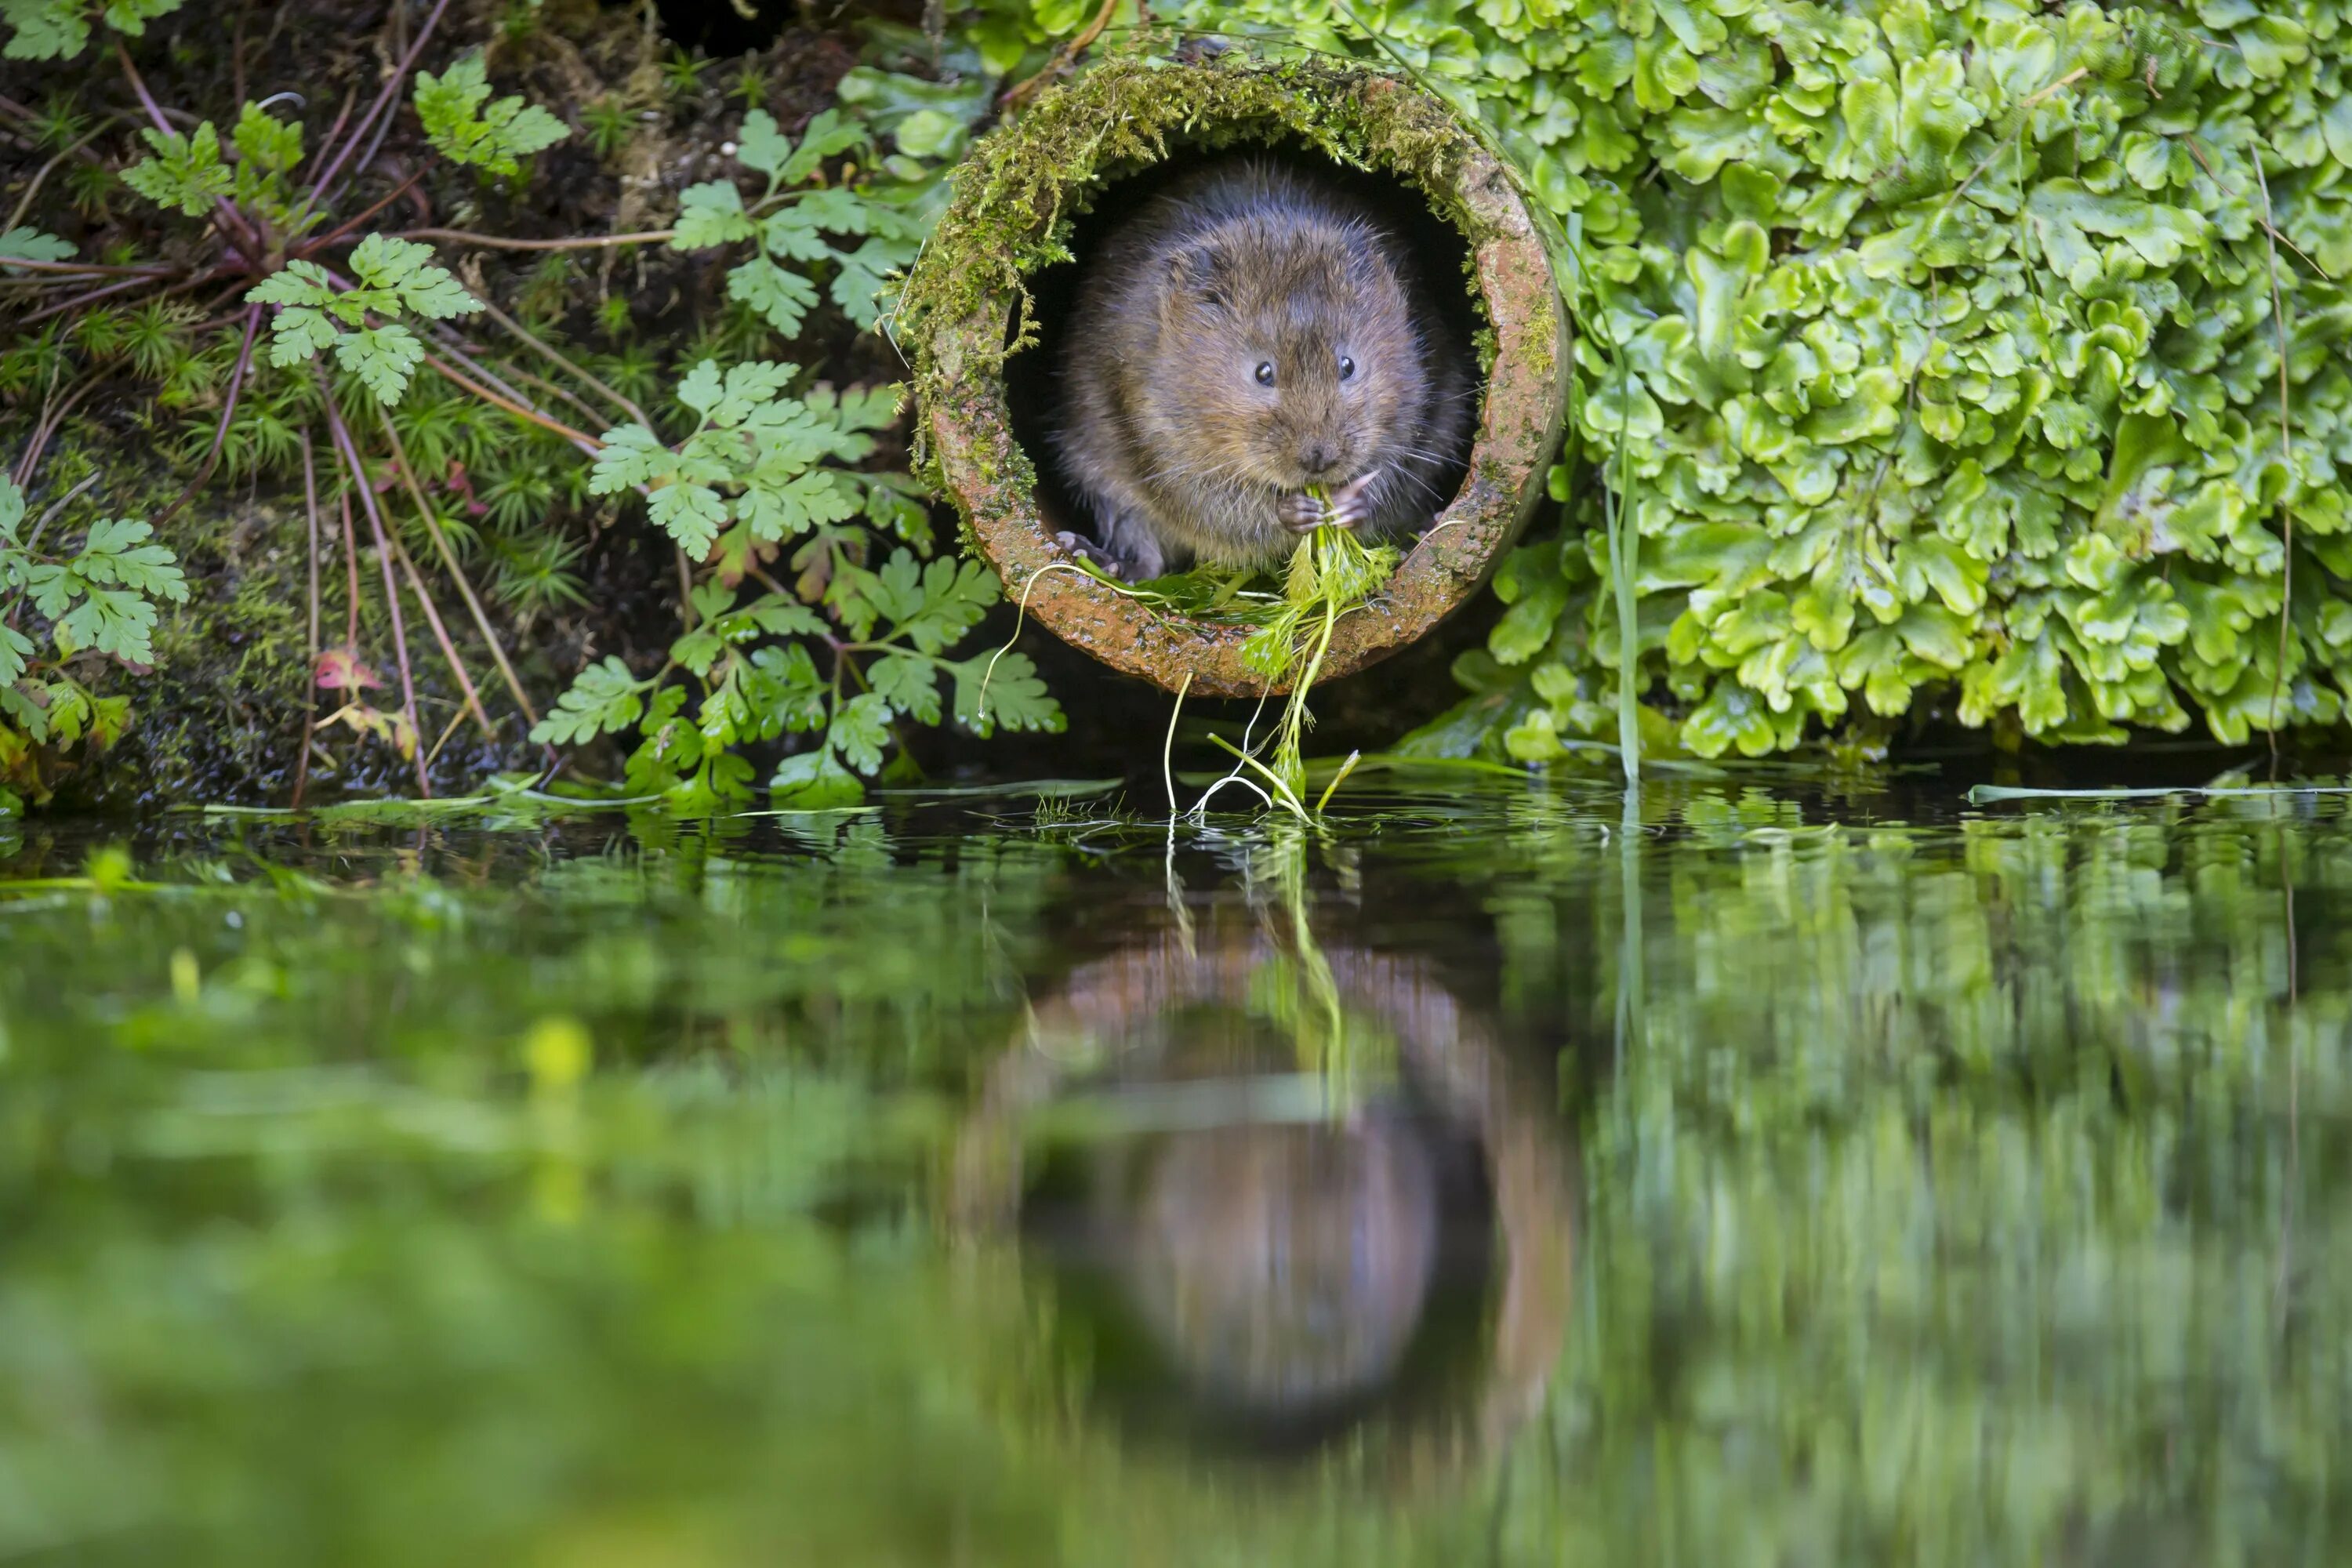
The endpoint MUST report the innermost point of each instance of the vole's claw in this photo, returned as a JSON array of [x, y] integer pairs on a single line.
[[1087, 550], [1300, 513], [1351, 502]]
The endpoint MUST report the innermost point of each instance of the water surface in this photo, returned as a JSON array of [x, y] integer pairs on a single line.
[[1491, 1174]]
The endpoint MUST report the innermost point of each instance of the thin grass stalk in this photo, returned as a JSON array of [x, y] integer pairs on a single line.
[[47, 427], [556, 357], [564, 393], [79, 268], [79, 300], [456, 573], [585, 443], [229, 410], [1624, 551], [433, 620], [352, 562], [357, 477], [310, 660], [2286, 456], [383, 101], [501, 242]]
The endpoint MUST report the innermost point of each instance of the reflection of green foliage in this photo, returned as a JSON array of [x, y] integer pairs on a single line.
[[1944, 1194], [1958, 1194], [1941, 1207]]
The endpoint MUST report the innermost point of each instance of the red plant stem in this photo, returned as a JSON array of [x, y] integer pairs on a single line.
[[351, 566], [310, 682], [228, 408], [424, 601], [365, 161], [586, 444], [340, 115], [342, 231], [47, 427], [383, 100], [92, 269], [456, 573], [79, 300], [358, 480], [499, 242], [441, 635]]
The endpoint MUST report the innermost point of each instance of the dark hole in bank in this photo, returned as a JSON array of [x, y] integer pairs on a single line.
[[719, 28], [1438, 251]]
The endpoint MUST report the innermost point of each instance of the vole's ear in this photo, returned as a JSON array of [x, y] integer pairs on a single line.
[[1200, 276]]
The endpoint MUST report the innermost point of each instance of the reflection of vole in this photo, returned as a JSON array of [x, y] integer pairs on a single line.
[[1285, 1266], [1253, 332]]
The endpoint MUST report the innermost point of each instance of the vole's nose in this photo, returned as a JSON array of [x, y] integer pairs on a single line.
[[1318, 458]]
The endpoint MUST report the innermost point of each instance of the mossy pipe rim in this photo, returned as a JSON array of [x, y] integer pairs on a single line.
[[1010, 217]]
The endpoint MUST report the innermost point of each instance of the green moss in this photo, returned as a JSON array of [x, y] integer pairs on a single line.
[[221, 715]]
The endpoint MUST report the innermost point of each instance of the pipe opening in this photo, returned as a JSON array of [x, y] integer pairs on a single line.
[[1439, 256]]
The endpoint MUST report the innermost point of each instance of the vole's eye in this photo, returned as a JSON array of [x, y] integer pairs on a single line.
[[1264, 373], [1347, 367]]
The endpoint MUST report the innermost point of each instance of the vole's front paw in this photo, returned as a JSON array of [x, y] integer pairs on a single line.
[[1301, 513], [1087, 550], [1351, 503]]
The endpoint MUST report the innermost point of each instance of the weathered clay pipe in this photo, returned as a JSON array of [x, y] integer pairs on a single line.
[[966, 309]]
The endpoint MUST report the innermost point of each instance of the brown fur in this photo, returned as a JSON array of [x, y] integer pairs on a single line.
[[1163, 428]]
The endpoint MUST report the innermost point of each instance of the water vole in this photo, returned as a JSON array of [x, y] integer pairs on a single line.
[[1250, 331]]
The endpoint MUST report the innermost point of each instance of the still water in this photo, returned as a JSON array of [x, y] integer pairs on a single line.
[[1487, 1176]]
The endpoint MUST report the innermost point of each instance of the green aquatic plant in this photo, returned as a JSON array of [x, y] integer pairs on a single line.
[[1330, 574], [1971, 361]]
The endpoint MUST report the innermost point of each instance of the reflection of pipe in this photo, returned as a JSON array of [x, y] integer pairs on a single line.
[[1444, 1051]]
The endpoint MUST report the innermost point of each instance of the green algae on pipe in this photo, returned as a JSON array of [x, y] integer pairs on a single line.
[[967, 309]]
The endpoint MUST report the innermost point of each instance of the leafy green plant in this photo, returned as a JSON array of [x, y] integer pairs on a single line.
[[59, 29], [800, 223], [464, 129], [396, 277], [97, 604], [845, 657]]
